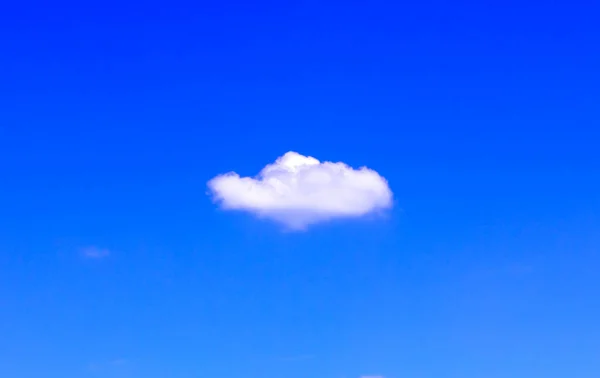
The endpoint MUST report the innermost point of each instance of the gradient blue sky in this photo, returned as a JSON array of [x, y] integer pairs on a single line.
[[485, 119]]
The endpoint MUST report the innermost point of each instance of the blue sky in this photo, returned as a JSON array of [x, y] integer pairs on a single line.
[[483, 119]]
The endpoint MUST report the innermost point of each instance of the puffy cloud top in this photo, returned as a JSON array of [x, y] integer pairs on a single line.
[[300, 190]]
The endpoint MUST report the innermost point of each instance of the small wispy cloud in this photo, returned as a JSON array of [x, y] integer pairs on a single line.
[[118, 367], [93, 252], [119, 362], [300, 357]]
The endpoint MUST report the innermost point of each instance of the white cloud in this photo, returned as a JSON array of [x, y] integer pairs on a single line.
[[95, 252], [300, 190]]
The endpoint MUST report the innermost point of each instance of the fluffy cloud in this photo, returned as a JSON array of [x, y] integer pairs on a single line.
[[300, 190]]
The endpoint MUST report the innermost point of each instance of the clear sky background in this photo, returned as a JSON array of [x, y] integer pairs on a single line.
[[484, 119]]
